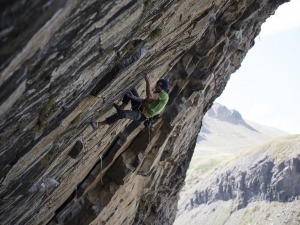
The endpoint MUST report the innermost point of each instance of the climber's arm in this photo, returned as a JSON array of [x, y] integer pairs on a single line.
[[149, 93]]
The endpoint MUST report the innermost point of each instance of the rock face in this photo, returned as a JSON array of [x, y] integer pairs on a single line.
[[65, 63], [269, 174], [262, 181]]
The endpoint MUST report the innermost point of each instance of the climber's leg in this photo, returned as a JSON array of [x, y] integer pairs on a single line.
[[134, 115], [134, 104]]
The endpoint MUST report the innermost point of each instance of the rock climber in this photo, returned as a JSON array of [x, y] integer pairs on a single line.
[[141, 109]]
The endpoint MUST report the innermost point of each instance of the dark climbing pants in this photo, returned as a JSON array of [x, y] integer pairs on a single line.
[[129, 114], [133, 114], [134, 104]]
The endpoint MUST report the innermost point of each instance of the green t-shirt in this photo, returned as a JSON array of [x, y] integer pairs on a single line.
[[154, 107]]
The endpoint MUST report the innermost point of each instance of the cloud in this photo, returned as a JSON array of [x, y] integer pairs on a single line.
[[287, 17]]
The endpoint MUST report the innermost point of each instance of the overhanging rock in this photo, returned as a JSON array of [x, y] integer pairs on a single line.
[[64, 64]]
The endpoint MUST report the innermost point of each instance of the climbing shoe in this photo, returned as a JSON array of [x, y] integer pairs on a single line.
[[94, 125]]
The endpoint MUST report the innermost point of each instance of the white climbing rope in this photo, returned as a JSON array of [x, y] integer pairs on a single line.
[[101, 169]]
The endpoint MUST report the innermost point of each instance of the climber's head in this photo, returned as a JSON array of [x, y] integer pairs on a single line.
[[162, 85]]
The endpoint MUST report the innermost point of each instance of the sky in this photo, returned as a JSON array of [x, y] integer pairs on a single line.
[[266, 88]]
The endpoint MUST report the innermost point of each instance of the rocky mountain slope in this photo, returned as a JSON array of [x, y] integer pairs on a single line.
[[63, 63], [260, 187]]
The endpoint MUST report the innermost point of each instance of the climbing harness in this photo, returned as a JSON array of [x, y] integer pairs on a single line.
[[148, 123]]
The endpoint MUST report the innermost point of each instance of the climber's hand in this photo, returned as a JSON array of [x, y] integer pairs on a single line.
[[147, 78]]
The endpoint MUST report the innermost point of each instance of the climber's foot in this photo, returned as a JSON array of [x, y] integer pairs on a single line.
[[94, 125]]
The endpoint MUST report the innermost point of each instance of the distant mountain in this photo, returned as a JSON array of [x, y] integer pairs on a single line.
[[225, 130], [213, 186], [222, 113]]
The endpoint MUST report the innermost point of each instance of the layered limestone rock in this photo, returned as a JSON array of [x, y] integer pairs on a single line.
[[64, 64]]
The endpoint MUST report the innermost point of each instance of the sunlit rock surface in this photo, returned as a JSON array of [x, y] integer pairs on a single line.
[[65, 63]]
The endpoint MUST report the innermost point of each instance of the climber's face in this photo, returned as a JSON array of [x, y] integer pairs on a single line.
[[158, 88]]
